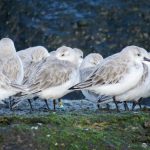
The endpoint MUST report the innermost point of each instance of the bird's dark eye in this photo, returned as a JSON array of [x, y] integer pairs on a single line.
[[139, 54], [81, 57], [62, 55]]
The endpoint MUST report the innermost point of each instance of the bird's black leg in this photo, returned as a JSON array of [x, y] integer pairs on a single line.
[[126, 106], [29, 101], [11, 101], [98, 105], [10, 104], [139, 103], [108, 107], [133, 106], [116, 103], [59, 100], [47, 104], [140, 106], [54, 104], [30, 104]]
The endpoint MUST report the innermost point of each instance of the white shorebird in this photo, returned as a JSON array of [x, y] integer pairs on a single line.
[[79, 59], [11, 69], [33, 54], [87, 67], [117, 73], [79, 54], [30, 57], [52, 77], [141, 90]]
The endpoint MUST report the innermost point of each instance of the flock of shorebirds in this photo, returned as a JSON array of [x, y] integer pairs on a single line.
[[34, 72]]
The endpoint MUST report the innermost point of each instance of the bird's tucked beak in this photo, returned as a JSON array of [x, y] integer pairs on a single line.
[[146, 59]]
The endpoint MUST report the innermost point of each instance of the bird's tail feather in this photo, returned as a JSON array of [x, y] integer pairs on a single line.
[[82, 85], [18, 87], [105, 100]]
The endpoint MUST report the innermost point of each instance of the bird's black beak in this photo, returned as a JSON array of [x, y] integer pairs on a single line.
[[146, 59]]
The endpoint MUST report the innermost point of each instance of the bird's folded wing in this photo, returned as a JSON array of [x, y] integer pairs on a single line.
[[110, 72], [6, 84], [4, 81], [30, 69], [52, 75], [11, 68], [85, 73]]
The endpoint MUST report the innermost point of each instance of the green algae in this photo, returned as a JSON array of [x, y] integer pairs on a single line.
[[76, 131]]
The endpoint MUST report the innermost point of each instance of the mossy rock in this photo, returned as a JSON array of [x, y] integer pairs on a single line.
[[76, 131]]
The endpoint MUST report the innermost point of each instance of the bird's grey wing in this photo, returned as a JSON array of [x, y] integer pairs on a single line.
[[6, 84], [50, 76], [32, 68], [11, 68], [109, 72], [28, 70], [4, 81], [85, 73]]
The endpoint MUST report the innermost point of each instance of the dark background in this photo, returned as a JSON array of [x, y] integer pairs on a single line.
[[104, 26]]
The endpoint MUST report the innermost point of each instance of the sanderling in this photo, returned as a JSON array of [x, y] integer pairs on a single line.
[[117, 73], [11, 69], [79, 59], [141, 90], [33, 54], [79, 55], [53, 76], [87, 67], [30, 56]]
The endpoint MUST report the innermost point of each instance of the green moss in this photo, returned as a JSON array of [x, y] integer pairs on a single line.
[[77, 131]]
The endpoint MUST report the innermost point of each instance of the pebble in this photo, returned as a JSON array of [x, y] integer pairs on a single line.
[[144, 145], [34, 127]]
